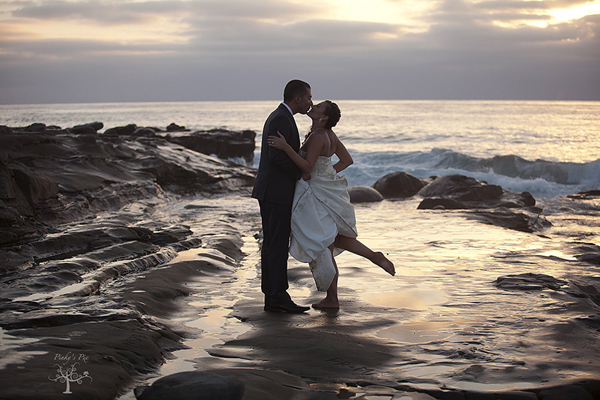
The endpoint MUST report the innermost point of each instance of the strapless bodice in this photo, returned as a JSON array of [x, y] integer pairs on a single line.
[[324, 168]]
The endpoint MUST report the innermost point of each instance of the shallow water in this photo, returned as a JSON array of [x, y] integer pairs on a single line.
[[451, 326]]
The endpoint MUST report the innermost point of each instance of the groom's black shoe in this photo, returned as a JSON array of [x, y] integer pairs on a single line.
[[290, 307]]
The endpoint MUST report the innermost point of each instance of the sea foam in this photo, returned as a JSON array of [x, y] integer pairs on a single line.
[[540, 177]]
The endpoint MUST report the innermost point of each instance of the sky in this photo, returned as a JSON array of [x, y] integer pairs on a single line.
[[71, 51]]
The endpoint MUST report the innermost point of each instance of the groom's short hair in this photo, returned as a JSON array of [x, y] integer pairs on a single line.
[[295, 88]]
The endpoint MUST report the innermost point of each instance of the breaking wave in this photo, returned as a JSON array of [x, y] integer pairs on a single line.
[[541, 178]]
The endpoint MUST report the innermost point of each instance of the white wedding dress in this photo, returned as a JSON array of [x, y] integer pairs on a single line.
[[320, 212]]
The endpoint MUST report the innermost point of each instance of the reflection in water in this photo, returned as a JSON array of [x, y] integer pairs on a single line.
[[10, 352], [441, 315], [416, 299], [418, 332]]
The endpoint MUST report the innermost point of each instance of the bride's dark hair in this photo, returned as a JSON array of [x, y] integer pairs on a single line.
[[334, 114]]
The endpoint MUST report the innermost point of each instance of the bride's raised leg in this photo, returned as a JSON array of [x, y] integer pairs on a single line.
[[353, 245], [381, 260]]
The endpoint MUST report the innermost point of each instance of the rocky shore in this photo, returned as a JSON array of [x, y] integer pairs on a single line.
[[105, 238], [76, 218]]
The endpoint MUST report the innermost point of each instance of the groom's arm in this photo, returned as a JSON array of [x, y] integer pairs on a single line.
[[278, 157]]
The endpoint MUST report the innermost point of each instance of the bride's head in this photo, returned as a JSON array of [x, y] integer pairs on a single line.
[[325, 115]]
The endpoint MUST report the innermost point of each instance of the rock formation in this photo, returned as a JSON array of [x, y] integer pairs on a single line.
[[50, 175]]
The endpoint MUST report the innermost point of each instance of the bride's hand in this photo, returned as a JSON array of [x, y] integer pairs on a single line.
[[277, 142]]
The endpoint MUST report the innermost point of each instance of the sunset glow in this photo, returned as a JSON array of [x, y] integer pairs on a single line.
[[432, 40], [569, 14], [381, 11]]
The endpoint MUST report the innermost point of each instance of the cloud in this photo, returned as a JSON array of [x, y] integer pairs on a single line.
[[528, 5], [101, 12], [314, 37], [228, 50], [135, 12]]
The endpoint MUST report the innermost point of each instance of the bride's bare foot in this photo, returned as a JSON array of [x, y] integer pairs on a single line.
[[326, 304], [384, 263]]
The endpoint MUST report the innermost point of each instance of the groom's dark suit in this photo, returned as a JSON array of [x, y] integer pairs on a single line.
[[274, 189]]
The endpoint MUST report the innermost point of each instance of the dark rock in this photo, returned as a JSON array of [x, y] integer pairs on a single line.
[[149, 132], [121, 130], [222, 143], [512, 220], [35, 188], [441, 204], [571, 392], [8, 216], [463, 188], [364, 194], [398, 185], [57, 177], [529, 281], [67, 188], [589, 253], [469, 193], [174, 127], [527, 199], [115, 351], [445, 394], [593, 387], [587, 195], [515, 395], [92, 127], [193, 385], [36, 127], [273, 384]]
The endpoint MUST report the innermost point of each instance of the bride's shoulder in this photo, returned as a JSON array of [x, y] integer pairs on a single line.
[[320, 131], [317, 134]]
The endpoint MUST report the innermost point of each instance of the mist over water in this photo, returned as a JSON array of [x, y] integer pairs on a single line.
[[547, 148]]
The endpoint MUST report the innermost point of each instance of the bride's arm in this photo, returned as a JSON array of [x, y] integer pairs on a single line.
[[345, 159], [312, 147]]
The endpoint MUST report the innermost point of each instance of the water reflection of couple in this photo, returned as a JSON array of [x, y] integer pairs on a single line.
[[315, 209]]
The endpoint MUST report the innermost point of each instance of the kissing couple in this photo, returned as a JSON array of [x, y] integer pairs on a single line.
[[301, 194]]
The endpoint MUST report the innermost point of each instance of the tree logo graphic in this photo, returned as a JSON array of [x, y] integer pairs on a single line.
[[68, 374]]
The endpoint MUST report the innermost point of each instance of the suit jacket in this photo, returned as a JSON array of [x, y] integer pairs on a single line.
[[277, 173]]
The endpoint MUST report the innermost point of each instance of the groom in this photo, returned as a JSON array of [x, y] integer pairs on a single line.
[[274, 189]]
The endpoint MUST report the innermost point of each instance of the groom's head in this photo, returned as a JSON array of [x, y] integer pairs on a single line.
[[298, 95]]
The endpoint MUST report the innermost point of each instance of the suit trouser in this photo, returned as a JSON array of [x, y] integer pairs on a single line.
[[276, 222]]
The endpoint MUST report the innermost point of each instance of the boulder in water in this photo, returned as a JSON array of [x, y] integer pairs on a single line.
[[506, 218], [192, 385], [398, 185], [364, 194], [464, 192], [462, 188], [529, 281]]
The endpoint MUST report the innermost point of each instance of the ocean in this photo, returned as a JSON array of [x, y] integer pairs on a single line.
[[547, 148]]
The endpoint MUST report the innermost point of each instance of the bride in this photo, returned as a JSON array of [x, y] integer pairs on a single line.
[[323, 220]]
